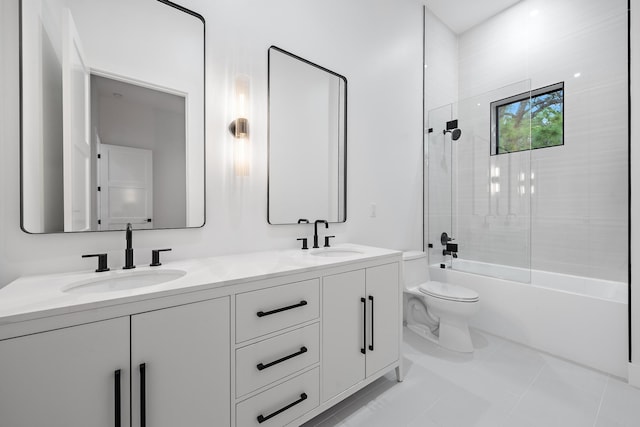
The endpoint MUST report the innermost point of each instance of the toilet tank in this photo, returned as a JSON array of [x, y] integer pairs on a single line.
[[415, 268]]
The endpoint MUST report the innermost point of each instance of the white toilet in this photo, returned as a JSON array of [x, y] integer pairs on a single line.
[[437, 311]]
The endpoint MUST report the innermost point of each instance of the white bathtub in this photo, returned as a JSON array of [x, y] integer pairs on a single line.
[[578, 318]]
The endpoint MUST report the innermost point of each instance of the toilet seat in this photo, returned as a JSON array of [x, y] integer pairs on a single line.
[[449, 292]]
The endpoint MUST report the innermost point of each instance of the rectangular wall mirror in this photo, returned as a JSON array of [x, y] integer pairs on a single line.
[[112, 115], [307, 141]]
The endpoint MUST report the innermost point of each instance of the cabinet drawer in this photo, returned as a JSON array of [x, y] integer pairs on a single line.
[[281, 404], [267, 361], [272, 309]]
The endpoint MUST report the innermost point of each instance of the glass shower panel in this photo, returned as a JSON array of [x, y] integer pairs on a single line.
[[487, 196], [438, 165]]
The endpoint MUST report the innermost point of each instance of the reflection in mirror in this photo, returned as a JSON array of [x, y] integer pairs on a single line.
[[307, 140], [112, 115]]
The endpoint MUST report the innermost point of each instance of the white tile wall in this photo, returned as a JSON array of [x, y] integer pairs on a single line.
[[578, 222]]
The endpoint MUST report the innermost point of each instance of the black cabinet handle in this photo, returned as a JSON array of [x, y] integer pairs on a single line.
[[371, 299], [363, 350], [118, 409], [261, 366], [262, 418], [143, 395], [278, 310]]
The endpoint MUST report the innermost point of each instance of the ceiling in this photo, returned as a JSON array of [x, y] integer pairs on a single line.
[[137, 94], [461, 15]]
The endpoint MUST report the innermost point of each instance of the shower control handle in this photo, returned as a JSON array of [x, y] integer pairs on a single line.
[[444, 238]]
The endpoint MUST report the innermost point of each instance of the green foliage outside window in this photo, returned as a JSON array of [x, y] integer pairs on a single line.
[[540, 113]]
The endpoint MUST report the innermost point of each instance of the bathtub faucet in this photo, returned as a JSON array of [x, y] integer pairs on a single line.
[[451, 249]]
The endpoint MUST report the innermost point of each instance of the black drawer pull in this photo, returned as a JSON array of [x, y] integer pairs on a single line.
[[372, 321], [143, 395], [262, 419], [118, 410], [278, 310], [261, 366], [363, 350]]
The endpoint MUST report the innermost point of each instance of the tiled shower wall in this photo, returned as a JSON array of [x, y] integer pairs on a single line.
[[578, 205]]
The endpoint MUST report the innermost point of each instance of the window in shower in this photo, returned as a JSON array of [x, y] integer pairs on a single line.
[[528, 121]]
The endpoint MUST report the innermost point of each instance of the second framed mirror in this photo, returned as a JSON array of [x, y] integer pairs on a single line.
[[307, 140]]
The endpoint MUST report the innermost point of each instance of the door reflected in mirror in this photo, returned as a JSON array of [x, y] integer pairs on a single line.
[[307, 140], [112, 115]]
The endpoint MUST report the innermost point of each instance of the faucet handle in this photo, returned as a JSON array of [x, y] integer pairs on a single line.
[[102, 261], [155, 256], [303, 220], [304, 242], [326, 240], [444, 238]]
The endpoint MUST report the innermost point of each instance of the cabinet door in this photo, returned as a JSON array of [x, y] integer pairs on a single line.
[[383, 317], [66, 377], [342, 332], [185, 351]]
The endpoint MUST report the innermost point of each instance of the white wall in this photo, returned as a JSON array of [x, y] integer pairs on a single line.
[[441, 63], [634, 368], [384, 164]]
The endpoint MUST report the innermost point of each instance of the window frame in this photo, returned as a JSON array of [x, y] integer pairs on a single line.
[[516, 98]]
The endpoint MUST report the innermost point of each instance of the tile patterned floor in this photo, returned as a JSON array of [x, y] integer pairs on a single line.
[[501, 384]]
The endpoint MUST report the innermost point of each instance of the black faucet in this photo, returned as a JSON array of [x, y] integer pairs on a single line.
[[315, 231], [128, 252]]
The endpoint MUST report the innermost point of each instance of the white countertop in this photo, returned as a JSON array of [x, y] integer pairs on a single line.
[[33, 297]]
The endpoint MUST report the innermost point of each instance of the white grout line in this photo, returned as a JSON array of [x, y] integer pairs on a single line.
[[606, 385], [526, 390]]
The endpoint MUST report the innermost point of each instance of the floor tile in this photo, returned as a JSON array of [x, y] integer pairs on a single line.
[[502, 384], [620, 405], [564, 394]]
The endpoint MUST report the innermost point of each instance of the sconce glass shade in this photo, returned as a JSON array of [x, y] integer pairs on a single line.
[[239, 127], [241, 155]]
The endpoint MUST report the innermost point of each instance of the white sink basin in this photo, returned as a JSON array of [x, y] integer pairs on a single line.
[[336, 252], [124, 281]]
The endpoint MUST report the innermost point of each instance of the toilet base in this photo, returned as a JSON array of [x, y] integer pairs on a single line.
[[453, 336], [442, 321], [424, 332]]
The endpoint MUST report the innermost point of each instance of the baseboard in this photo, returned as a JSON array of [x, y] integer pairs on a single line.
[[634, 374]]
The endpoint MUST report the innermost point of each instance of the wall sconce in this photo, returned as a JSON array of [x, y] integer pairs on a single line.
[[239, 127]]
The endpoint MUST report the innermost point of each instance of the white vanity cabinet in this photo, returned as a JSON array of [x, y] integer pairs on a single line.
[[180, 366], [360, 318], [269, 339], [81, 375], [67, 377]]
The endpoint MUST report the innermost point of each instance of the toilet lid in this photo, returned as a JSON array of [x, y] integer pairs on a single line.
[[448, 291]]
